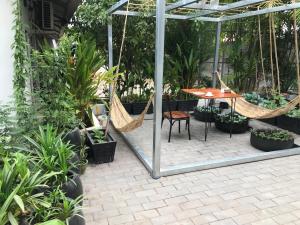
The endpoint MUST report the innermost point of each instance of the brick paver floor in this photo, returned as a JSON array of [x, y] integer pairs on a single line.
[[181, 150], [260, 193]]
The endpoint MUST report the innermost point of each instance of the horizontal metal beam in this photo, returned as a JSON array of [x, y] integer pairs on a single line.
[[179, 4], [240, 4], [167, 16], [117, 6], [262, 11], [222, 8], [212, 164]]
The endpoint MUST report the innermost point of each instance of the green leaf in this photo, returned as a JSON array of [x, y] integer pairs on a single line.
[[52, 222], [20, 202], [12, 219]]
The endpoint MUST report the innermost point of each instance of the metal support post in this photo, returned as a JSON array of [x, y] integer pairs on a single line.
[[110, 50], [216, 59], [158, 80]]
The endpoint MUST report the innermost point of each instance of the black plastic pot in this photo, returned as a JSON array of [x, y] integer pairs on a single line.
[[74, 138], [186, 105], [138, 108], [73, 187], [236, 128], [289, 123], [128, 107], [171, 106], [272, 121], [77, 219], [204, 116], [268, 145], [102, 152]]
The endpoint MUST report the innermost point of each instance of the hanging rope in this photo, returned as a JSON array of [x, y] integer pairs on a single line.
[[271, 53], [112, 92], [123, 38], [275, 51], [261, 54]]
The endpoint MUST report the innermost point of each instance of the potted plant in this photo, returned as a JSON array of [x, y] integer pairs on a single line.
[[232, 123], [290, 121], [203, 113], [53, 155], [81, 74], [62, 209], [271, 139], [272, 102], [102, 147], [20, 186]]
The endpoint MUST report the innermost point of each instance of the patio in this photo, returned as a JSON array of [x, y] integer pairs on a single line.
[[219, 146], [123, 192]]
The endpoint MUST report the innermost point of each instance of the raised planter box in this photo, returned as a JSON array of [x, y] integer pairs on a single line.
[[187, 105], [102, 152], [128, 107], [289, 123], [204, 116], [171, 106], [268, 145], [272, 121], [138, 108], [236, 128]]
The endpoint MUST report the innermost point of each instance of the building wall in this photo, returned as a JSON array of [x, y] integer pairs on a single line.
[[6, 53]]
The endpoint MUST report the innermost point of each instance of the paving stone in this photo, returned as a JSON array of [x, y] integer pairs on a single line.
[[261, 193]]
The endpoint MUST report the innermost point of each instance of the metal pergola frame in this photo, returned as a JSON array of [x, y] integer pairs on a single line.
[[213, 11]]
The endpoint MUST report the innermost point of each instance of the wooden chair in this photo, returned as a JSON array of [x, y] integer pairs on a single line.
[[174, 116]]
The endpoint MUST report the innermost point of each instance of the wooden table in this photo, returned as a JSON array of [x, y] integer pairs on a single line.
[[216, 94]]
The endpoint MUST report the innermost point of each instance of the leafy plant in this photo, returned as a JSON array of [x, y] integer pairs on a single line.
[[212, 109], [295, 113], [273, 134], [21, 59], [52, 154], [274, 101], [62, 208], [52, 99], [254, 98], [81, 79], [19, 189], [235, 118], [99, 136]]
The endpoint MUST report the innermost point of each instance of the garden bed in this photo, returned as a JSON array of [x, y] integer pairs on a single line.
[[236, 125], [271, 139]]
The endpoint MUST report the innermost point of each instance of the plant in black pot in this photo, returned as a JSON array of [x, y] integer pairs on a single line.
[[271, 139], [272, 102], [102, 147], [235, 123], [62, 208], [53, 155], [20, 185], [203, 113], [290, 121]]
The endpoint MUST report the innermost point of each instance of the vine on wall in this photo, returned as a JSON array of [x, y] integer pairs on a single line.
[[21, 59]]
